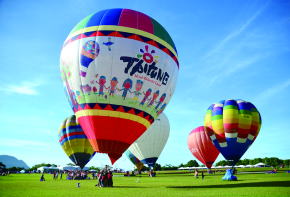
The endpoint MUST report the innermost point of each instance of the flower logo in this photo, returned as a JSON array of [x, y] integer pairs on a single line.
[[147, 56]]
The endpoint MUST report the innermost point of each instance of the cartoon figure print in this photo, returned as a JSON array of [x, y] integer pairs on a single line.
[[146, 95], [154, 97], [101, 82], [86, 89], [138, 87], [127, 85], [161, 100], [113, 85], [161, 109]]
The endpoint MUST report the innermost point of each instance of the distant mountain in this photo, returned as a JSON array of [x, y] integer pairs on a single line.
[[11, 161]]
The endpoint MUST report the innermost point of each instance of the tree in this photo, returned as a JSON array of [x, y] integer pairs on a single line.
[[181, 165], [157, 167], [273, 161], [15, 169], [192, 163], [2, 165], [287, 162], [169, 167], [223, 163], [94, 168], [40, 165]]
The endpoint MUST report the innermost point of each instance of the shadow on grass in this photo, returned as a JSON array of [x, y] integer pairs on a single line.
[[253, 184], [129, 187]]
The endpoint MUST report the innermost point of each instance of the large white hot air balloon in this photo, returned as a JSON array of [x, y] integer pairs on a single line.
[[150, 145]]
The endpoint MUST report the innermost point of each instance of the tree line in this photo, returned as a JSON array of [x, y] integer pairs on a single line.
[[271, 161]]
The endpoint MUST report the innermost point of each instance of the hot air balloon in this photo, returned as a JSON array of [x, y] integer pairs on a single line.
[[201, 147], [150, 145], [233, 126], [112, 62], [139, 165], [74, 142]]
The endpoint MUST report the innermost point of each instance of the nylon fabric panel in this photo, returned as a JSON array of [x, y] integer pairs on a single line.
[[239, 116], [106, 69], [74, 142], [111, 136], [111, 17], [201, 146], [152, 142]]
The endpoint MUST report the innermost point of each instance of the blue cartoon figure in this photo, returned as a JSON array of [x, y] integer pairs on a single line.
[[161, 100], [113, 86], [127, 85], [146, 95], [161, 109], [138, 87]]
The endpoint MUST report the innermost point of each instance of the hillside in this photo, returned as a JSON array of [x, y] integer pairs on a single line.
[[11, 161]]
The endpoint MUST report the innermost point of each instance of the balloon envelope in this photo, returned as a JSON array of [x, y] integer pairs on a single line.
[[233, 126], [201, 146], [75, 143], [150, 145], [139, 165], [119, 67]]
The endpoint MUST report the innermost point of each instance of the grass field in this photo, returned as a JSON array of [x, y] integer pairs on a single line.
[[253, 185]]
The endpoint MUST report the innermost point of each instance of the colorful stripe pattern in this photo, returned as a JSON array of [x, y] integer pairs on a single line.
[[139, 165], [233, 126], [99, 109], [74, 142], [125, 23]]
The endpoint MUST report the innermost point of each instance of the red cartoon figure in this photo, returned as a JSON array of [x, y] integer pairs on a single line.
[[154, 97], [138, 87], [102, 82], [161, 100], [146, 95], [127, 85]]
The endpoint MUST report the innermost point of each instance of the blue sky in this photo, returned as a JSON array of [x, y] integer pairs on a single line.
[[227, 49]]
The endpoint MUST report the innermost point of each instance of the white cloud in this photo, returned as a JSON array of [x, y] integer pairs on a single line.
[[25, 87], [235, 66], [234, 34], [271, 92], [21, 143]]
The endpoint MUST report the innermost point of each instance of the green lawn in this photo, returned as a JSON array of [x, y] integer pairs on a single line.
[[253, 185]]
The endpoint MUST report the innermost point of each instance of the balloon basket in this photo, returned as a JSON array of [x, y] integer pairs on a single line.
[[229, 176]]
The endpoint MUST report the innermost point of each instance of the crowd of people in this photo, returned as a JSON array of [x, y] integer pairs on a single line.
[[105, 178]]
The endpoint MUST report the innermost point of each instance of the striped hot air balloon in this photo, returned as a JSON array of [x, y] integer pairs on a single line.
[[119, 67], [74, 142], [233, 126], [139, 165]]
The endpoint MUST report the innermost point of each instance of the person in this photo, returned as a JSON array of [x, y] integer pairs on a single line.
[[105, 179], [202, 175], [110, 179], [196, 174], [42, 177]]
